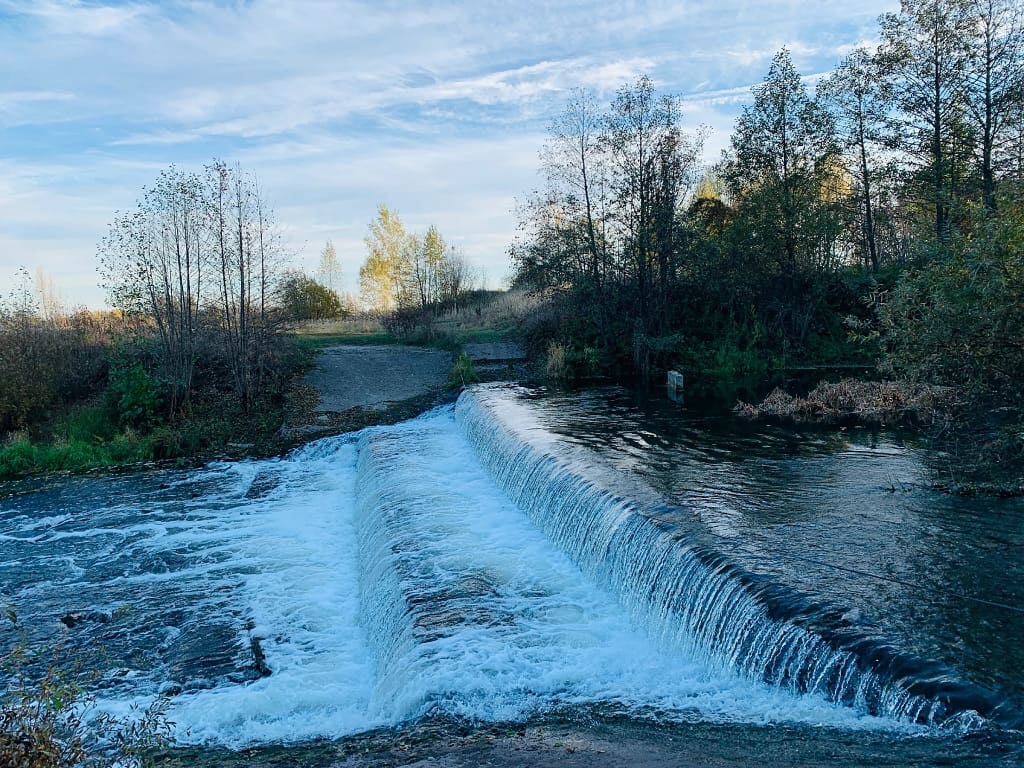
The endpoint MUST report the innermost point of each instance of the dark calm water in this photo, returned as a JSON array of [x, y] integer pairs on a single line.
[[407, 572], [846, 516]]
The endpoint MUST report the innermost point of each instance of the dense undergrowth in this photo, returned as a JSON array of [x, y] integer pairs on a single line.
[[123, 418]]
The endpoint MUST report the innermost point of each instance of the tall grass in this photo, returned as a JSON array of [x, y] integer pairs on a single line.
[[21, 457]]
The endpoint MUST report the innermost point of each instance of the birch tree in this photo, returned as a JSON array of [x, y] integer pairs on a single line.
[[384, 274]]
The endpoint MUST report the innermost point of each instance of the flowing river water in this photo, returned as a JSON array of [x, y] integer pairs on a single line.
[[524, 555]]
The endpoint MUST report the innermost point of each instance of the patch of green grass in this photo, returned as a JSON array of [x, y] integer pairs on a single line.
[[22, 457], [314, 341], [89, 424], [463, 372], [88, 438]]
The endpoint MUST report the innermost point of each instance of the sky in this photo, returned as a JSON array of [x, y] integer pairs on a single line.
[[436, 108]]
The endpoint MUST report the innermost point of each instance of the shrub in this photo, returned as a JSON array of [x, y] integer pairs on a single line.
[[303, 298], [172, 442], [18, 457], [463, 372], [556, 365], [47, 720], [568, 364], [133, 396], [958, 320]]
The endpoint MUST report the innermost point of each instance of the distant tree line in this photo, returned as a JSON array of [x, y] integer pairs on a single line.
[[882, 211]]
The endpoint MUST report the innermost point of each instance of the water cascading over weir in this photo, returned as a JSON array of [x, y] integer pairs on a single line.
[[692, 597]]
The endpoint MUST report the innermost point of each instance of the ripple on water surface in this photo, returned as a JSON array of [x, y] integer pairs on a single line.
[[463, 607]]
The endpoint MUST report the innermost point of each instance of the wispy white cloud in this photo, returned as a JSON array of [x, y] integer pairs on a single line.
[[10, 100], [73, 17], [437, 108]]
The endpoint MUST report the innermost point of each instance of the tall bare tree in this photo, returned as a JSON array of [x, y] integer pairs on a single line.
[[652, 162], [152, 263], [247, 268], [994, 81], [859, 101], [574, 163]]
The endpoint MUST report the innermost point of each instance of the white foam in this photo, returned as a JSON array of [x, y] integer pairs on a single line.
[[302, 598], [541, 636], [544, 636]]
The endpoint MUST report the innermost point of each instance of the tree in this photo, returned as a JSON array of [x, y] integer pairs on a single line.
[[199, 257], [924, 54], [859, 102], [780, 149], [330, 269], [385, 272], [576, 171], [652, 162], [303, 298], [153, 263], [994, 81], [455, 278], [424, 275], [50, 303], [246, 260], [959, 321]]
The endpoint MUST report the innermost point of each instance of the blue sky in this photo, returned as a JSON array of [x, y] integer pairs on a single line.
[[438, 109]]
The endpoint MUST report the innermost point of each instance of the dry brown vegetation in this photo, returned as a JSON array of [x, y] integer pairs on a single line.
[[851, 400]]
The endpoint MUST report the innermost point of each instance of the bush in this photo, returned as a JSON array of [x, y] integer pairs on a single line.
[[568, 364], [175, 442], [303, 298], [47, 362], [958, 320], [463, 372], [133, 396], [47, 720], [18, 457]]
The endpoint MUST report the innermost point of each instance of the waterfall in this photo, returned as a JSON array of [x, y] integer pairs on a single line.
[[693, 598]]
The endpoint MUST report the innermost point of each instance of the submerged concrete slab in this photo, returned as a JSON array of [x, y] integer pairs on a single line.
[[499, 351], [374, 376]]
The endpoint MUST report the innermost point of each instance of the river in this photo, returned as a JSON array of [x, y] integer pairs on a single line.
[[525, 556]]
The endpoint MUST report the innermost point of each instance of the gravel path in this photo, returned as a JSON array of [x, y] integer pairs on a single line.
[[374, 377]]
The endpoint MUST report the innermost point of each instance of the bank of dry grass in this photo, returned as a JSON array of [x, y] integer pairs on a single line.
[[853, 400]]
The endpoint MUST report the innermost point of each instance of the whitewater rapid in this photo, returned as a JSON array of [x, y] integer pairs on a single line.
[[386, 575]]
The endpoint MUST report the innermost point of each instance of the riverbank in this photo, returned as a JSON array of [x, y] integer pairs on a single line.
[[333, 389], [973, 448], [617, 743]]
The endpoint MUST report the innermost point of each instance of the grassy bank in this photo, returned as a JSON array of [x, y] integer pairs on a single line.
[[124, 424], [87, 437]]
